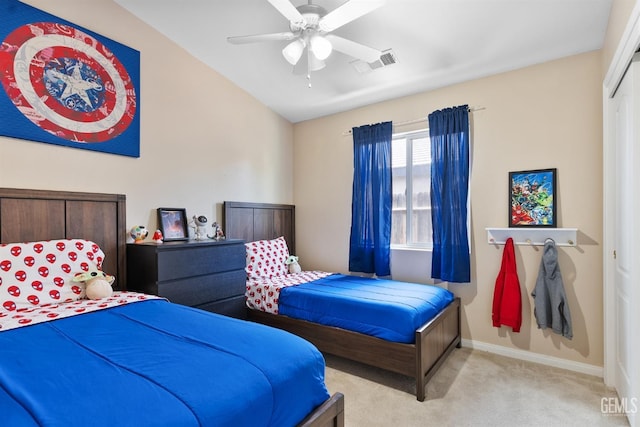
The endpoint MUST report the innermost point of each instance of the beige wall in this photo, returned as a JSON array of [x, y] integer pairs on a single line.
[[203, 140], [543, 116], [618, 17]]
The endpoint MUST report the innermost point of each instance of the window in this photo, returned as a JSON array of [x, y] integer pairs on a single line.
[[411, 175]]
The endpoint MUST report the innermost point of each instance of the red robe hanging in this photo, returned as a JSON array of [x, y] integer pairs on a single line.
[[507, 301]]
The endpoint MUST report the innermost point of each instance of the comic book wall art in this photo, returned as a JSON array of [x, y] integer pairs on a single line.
[[532, 198], [65, 85]]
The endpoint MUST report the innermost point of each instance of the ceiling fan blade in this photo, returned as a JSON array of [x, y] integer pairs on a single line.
[[261, 38], [346, 13], [351, 48], [289, 11]]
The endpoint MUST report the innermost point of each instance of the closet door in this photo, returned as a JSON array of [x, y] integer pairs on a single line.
[[623, 293]]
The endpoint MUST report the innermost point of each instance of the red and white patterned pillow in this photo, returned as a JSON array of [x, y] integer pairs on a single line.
[[265, 258], [37, 273]]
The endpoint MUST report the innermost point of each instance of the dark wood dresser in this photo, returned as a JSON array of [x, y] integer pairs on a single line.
[[205, 274]]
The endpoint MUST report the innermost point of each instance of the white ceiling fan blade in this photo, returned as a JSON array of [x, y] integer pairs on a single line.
[[261, 38], [289, 11], [346, 13], [351, 48]]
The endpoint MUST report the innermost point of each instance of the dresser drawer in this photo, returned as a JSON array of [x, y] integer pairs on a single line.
[[204, 274], [176, 264], [203, 289], [234, 307]]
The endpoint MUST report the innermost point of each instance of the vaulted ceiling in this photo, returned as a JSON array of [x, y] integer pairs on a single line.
[[435, 43]]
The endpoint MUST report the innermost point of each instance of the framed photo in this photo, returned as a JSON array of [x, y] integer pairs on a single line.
[[172, 222], [532, 198]]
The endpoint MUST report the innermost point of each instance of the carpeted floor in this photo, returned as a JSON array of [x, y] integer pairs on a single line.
[[472, 388]]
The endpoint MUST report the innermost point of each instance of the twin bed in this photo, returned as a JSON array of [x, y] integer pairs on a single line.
[[411, 330], [131, 359]]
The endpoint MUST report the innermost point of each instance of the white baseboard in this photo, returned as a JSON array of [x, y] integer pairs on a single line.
[[529, 356]]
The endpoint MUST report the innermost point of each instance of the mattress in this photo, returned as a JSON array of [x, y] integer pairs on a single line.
[[387, 309], [156, 363]]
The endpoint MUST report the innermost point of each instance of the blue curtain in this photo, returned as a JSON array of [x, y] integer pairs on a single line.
[[449, 131], [370, 241]]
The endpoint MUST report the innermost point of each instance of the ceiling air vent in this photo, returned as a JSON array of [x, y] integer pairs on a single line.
[[387, 58]]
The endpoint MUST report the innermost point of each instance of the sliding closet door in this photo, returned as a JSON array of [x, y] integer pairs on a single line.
[[623, 292]]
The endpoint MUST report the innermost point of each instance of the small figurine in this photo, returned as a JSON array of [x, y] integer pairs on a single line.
[[157, 237], [199, 227], [138, 233], [217, 232]]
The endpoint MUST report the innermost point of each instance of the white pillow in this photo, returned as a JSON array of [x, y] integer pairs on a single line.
[[37, 273], [265, 258]]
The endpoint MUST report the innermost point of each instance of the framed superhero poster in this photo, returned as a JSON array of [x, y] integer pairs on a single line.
[[65, 85], [532, 197]]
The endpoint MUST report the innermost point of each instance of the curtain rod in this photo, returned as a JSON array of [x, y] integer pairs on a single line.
[[410, 122]]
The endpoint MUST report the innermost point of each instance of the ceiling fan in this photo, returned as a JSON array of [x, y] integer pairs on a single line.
[[309, 32]]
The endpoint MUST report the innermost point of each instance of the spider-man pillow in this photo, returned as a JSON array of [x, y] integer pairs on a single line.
[[265, 258], [37, 273]]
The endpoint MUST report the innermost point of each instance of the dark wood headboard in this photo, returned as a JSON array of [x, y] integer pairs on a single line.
[[260, 221], [32, 215]]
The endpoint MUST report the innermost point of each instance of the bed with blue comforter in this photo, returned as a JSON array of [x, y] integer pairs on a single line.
[[130, 359], [403, 327], [371, 321], [387, 309], [154, 363]]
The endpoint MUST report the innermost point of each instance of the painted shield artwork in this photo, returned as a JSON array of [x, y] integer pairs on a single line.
[[66, 85]]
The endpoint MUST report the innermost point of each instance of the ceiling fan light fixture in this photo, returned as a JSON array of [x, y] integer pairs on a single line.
[[314, 64], [309, 33], [321, 47], [293, 51]]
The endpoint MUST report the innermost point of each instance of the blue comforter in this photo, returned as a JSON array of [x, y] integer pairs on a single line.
[[154, 363], [386, 309]]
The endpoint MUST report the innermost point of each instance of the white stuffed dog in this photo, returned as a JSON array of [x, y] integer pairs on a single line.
[[97, 284], [292, 262]]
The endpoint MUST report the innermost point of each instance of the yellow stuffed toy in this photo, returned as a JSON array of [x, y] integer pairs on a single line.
[[97, 284]]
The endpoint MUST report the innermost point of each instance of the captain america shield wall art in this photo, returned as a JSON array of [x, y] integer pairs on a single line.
[[65, 85]]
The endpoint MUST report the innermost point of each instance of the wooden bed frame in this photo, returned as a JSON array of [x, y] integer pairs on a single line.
[[434, 341], [31, 215]]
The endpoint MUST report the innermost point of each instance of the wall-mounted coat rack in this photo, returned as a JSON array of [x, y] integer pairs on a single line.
[[532, 236]]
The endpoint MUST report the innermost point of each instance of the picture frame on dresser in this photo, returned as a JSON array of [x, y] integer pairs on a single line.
[[172, 222]]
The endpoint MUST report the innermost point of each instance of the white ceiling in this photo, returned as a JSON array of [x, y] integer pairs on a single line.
[[436, 43]]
